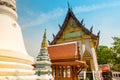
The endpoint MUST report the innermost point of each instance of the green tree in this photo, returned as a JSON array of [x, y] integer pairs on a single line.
[[116, 50], [110, 55], [105, 55]]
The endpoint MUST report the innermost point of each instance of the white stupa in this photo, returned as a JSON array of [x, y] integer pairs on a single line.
[[43, 64], [15, 63]]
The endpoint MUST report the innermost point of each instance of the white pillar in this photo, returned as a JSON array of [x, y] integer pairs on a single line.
[[94, 59], [83, 48], [96, 72], [84, 74], [94, 56], [93, 73]]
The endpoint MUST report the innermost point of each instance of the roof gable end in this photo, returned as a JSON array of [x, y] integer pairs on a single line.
[[70, 15]]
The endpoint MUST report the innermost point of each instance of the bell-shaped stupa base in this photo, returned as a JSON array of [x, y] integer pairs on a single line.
[[15, 66], [15, 63]]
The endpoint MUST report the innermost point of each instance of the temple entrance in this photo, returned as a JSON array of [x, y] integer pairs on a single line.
[[89, 75], [88, 59]]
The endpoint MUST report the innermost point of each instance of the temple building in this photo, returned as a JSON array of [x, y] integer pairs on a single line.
[[66, 63], [43, 65], [15, 63], [72, 48]]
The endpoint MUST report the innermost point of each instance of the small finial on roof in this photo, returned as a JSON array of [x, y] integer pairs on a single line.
[[91, 29], [68, 4], [82, 21], [48, 42], [69, 8], [59, 26], [98, 34], [53, 36]]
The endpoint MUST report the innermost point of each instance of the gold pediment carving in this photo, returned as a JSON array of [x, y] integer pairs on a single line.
[[72, 30], [87, 54]]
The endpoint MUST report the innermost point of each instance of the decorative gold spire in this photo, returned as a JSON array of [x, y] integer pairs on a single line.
[[44, 42]]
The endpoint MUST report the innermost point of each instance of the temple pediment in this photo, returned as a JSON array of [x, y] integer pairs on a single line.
[[72, 30]]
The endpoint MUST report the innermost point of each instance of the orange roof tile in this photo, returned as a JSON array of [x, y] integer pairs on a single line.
[[62, 51]]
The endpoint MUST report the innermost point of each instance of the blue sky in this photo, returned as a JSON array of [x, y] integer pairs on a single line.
[[36, 15]]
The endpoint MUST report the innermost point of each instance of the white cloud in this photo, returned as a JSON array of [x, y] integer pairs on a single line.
[[95, 7], [44, 18]]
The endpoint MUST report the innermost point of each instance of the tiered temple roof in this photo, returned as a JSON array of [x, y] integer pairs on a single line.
[[69, 15], [61, 52]]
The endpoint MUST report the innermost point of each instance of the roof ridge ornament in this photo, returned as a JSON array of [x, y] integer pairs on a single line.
[[54, 36], [49, 42], [82, 21], [68, 5], [98, 34], [60, 26], [91, 29], [69, 8]]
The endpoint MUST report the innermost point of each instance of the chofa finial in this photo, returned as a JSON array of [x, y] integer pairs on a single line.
[[59, 26], [98, 34], [48, 42], [91, 29], [53, 36], [69, 8], [82, 21], [68, 5]]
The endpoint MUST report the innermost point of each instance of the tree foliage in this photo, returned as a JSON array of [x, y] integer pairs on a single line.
[[116, 45], [105, 55], [116, 50], [110, 55]]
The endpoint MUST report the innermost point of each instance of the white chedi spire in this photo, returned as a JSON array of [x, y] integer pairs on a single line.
[[43, 54], [15, 63], [43, 64]]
